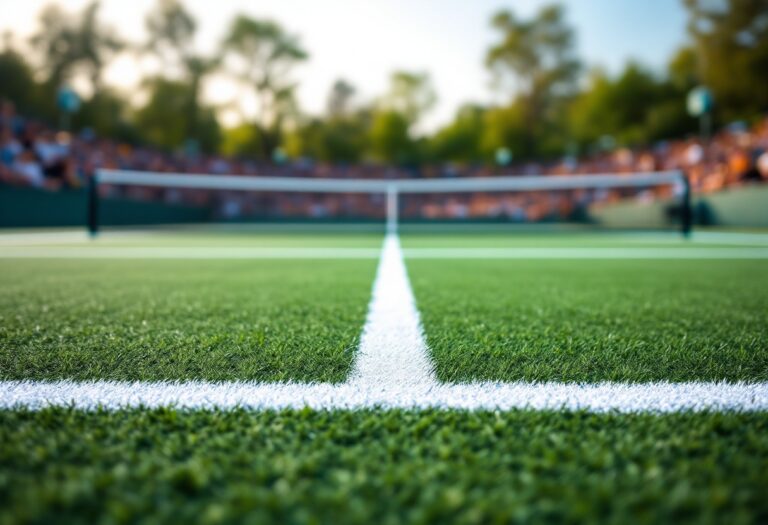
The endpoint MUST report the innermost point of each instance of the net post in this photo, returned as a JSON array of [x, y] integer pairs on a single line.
[[686, 208], [392, 208], [93, 204]]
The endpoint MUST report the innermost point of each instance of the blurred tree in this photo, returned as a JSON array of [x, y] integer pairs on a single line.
[[339, 137], [171, 29], [171, 33], [669, 117], [390, 140], [346, 141], [535, 62], [410, 94], [614, 107], [57, 44], [409, 97], [262, 55], [72, 43], [636, 107], [339, 140], [98, 43], [108, 114], [682, 69], [504, 127], [18, 83], [731, 42], [344, 133], [241, 141], [161, 119], [460, 140], [340, 99]]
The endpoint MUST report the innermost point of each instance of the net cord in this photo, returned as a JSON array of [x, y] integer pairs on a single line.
[[392, 188], [456, 185]]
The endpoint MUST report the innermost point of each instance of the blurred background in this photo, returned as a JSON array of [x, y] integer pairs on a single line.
[[383, 90]]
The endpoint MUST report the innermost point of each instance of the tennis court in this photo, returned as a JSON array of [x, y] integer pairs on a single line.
[[510, 387]]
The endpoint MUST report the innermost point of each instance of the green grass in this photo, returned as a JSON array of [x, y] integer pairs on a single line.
[[175, 319], [164, 466], [594, 320], [300, 320]]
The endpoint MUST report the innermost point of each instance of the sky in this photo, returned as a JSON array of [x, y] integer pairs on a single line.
[[363, 41]]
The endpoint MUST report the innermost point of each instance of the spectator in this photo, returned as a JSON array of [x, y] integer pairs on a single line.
[[762, 165], [8, 117], [27, 170], [9, 147], [33, 155], [54, 154]]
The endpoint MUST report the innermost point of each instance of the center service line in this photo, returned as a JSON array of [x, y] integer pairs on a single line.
[[393, 350], [392, 370]]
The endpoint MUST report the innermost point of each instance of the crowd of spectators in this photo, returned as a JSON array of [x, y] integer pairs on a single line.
[[32, 154]]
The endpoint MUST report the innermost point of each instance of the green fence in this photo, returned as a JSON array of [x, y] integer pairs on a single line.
[[26, 207]]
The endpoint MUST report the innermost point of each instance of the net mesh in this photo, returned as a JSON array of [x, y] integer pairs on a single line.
[[643, 200]]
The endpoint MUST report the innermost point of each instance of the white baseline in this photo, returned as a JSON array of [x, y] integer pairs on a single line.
[[244, 252], [392, 370]]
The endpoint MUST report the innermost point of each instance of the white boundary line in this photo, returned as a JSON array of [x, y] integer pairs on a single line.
[[186, 252], [587, 253], [660, 397], [392, 370], [393, 350], [164, 252]]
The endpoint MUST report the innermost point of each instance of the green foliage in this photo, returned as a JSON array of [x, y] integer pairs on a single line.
[[340, 137], [731, 42], [461, 140], [577, 321], [633, 108], [262, 54], [337, 140], [165, 118], [159, 118], [504, 127], [410, 94], [109, 115], [390, 138], [535, 62], [340, 100], [241, 141], [303, 466], [171, 29], [345, 139], [476, 133], [384, 134], [66, 42], [682, 70], [18, 83]]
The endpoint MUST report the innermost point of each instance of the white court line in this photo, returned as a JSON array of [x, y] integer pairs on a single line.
[[185, 252], [743, 238], [587, 253], [393, 349], [601, 397], [79, 236], [392, 370], [196, 253]]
